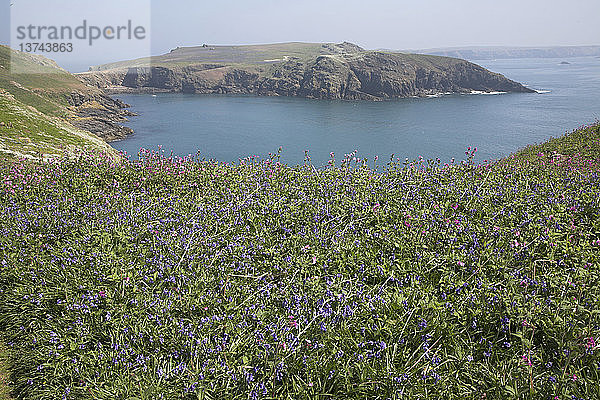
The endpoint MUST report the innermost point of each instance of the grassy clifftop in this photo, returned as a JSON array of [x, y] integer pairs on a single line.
[[244, 54], [199, 280], [264, 54]]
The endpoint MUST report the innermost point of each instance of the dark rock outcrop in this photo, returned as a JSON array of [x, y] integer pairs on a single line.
[[100, 115]]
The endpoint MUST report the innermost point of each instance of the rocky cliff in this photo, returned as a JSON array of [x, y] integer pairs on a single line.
[[99, 114], [343, 71]]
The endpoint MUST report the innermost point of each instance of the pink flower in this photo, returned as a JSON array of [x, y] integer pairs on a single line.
[[102, 293], [293, 322], [461, 264], [591, 343]]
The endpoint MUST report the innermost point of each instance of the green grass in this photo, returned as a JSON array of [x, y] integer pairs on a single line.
[[4, 375], [170, 278], [581, 142]]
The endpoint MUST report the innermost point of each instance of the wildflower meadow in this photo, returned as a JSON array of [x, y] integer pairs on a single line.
[[168, 278]]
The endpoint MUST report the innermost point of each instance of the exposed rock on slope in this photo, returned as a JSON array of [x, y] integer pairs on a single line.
[[100, 115], [345, 72]]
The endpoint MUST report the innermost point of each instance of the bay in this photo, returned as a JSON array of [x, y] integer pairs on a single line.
[[228, 128]]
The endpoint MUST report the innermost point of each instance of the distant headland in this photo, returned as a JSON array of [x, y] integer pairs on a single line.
[[312, 70]]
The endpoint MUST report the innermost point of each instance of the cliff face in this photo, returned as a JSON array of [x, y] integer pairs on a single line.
[[365, 75]]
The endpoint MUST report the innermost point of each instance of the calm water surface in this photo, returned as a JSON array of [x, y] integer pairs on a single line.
[[231, 127]]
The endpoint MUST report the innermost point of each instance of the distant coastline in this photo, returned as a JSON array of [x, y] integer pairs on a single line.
[[493, 53]]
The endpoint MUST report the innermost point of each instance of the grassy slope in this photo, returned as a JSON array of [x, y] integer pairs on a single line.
[[34, 108], [30, 133], [222, 281], [583, 142], [44, 86]]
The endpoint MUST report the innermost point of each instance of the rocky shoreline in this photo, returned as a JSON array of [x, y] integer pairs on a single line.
[[100, 114]]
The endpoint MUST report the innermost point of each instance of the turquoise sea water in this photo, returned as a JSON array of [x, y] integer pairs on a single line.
[[231, 127]]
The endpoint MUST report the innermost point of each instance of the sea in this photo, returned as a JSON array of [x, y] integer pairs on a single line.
[[229, 128]]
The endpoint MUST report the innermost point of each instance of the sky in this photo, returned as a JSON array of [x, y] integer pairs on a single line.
[[374, 24]]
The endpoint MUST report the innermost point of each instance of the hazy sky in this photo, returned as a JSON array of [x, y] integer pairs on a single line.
[[392, 24], [395, 24]]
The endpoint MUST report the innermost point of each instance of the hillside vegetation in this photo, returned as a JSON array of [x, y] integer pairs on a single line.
[[27, 132], [45, 87], [180, 278], [35, 91]]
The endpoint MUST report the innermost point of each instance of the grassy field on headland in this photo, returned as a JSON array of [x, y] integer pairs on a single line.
[[170, 278]]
